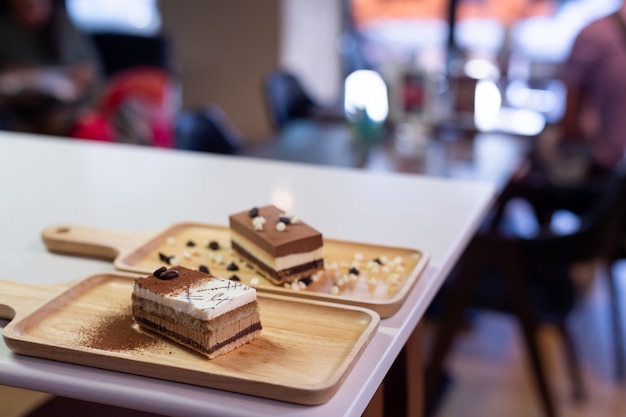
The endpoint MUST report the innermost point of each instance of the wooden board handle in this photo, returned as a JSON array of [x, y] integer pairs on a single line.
[[91, 241], [18, 299]]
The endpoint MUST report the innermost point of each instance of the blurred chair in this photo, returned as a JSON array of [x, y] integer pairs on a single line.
[[207, 129], [530, 278], [287, 100]]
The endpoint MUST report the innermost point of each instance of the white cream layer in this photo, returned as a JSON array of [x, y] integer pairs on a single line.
[[281, 262], [206, 300]]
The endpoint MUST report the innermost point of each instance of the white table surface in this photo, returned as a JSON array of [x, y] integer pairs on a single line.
[[46, 181]]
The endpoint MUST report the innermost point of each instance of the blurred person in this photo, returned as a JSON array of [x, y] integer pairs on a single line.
[[51, 82], [49, 70], [571, 161], [140, 104], [590, 140], [596, 91]]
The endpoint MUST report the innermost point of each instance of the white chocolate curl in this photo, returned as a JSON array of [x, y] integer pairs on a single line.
[[258, 222]]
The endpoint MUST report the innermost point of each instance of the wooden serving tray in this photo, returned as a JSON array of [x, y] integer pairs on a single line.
[[382, 286], [304, 353]]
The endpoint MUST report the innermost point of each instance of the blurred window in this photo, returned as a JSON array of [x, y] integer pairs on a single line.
[[128, 16]]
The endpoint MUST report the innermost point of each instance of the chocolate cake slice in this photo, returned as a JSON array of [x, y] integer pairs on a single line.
[[205, 313], [279, 246]]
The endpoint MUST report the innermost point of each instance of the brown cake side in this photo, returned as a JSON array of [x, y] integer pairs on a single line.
[[208, 314], [281, 253]]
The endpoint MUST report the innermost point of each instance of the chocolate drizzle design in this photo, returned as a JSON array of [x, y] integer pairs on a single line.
[[179, 279]]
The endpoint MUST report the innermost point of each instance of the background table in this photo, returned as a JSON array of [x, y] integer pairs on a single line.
[[46, 181], [466, 155]]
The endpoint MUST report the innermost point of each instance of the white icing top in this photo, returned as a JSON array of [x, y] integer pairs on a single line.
[[204, 300]]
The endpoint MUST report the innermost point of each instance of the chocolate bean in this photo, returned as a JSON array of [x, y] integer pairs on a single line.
[[169, 274], [204, 268], [232, 267], [191, 243], [164, 258], [254, 211], [159, 271], [214, 245], [306, 281]]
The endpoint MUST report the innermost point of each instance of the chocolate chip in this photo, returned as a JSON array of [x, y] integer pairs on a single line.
[[354, 271], [234, 278], [191, 243], [159, 271], [164, 258], [306, 281], [378, 261], [254, 211], [232, 266], [214, 245], [204, 268], [284, 219], [169, 274]]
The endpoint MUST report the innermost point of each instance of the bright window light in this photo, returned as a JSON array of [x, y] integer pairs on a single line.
[[518, 94], [366, 90], [129, 16], [549, 100], [520, 121], [479, 34], [480, 69], [487, 103]]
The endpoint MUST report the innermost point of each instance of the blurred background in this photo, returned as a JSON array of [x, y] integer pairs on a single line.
[[453, 88], [220, 52]]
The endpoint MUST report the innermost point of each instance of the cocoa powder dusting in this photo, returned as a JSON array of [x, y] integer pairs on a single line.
[[117, 332]]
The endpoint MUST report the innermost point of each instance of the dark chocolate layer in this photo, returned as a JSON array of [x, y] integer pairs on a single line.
[[187, 341], [278, 277]]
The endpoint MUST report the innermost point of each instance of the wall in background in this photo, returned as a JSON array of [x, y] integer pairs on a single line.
[[310, 33], [224, 48]]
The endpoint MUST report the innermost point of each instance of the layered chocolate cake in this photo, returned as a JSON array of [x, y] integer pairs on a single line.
[[208, 314], [278, 245]]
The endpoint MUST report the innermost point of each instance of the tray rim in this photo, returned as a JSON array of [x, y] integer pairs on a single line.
[[384, 307], [304, 394]]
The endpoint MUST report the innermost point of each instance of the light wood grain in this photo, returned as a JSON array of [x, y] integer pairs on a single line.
[[18, 299], [303, 355], [382, 288], [92, 241]]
